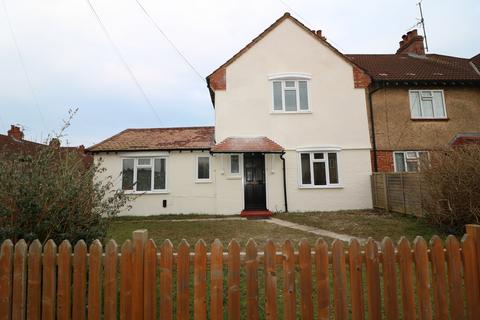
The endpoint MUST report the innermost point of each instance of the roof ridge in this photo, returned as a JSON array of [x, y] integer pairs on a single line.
[[171, 128]]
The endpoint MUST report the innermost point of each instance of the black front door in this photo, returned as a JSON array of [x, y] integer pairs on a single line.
[[254, 170]]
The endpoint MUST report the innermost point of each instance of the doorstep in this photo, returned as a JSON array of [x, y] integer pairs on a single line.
[[256, 214]]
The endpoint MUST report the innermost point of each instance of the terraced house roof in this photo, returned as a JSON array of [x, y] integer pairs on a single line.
[[181, 138]]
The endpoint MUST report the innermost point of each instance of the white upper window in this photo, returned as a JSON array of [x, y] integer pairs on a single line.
[[427, 104], [319, 169], [290, 92], [144, 174]]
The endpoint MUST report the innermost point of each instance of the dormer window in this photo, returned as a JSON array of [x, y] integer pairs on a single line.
[[290, 93]]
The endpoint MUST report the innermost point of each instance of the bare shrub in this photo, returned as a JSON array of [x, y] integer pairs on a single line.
[[451, 184]]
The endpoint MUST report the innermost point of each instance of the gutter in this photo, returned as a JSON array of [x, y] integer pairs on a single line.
[[372, 126], [284, 181]]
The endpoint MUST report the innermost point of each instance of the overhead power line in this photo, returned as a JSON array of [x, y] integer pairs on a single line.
[[124, 62], [170, 41], [24, 66]]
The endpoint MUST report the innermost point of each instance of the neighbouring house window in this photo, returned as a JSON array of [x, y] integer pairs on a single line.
[[319, 169], [427, 104], [144, 174], [234, 164], [409, 161], [203, 168], [290, 95]]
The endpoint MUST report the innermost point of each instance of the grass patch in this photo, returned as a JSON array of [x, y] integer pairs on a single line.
[[225, 230], [367, 223]]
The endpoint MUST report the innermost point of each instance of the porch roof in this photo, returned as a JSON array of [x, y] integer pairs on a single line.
[[250, 144]]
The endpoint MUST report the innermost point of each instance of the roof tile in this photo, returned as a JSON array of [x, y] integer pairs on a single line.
[[240, 144]]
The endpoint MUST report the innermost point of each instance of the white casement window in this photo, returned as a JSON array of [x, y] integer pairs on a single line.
[[144, 174], [409, 161], [203, 169], [319, 169], [290, 92], [427, 104], [234, 164]]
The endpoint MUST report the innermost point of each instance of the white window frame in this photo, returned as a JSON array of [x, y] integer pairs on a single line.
[[295, 77], [152, 167], [325, 152], [421, 117], [405, 159], [234, 174], [209, 179]]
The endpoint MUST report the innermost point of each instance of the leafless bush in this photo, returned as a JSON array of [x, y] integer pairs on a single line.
[[452, 187]]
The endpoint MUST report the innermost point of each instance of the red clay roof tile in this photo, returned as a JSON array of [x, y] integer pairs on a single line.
[[255, 144], [186, 138]]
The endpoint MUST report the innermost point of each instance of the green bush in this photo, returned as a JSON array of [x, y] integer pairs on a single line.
[[52, 193], [452, 188]]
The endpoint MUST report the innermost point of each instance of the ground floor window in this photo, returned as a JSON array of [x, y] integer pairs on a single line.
[[144, 174], [319, 169], [409, 161], [203, 168]]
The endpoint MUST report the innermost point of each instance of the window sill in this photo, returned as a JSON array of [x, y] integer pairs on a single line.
[[236, 177], [147, 192], [291, 112], [203, 181], [338, 186], [429, 119]]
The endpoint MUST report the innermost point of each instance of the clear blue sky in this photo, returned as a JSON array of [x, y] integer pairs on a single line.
[[72, 65]]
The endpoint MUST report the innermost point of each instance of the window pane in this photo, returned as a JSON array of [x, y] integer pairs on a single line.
[[438, 105], [277, 95], [319, 175], [427, 107], [290, 84], [143, 162], [415, 104], [399, 162], [203, 168], [412, 165], [306, 174], [127, 174], [159, 174], [144, 179], [333, 167], [318, 156], [302, 88], [234, 163], [290, 100]]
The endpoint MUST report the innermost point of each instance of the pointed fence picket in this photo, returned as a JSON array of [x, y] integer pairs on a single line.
[[141, 280]]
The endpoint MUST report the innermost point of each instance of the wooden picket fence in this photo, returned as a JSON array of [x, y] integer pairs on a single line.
[[141, 281]]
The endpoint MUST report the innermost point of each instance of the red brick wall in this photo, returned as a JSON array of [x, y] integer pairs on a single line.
[[384, 161], [360, 78], [218, 80]]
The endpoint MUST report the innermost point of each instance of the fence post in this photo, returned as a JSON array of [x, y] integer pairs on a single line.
[[139, 238], [473, 230], [385, 191]]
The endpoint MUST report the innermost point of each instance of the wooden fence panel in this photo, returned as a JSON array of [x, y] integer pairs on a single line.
[[216, 281], [19, 281], [323, 280], [251, 266], [49, 280], [289, 300], [79, 280], [355, 257], [38, 286], [233, 280], [64, 280], [34, 285], [200, 281]]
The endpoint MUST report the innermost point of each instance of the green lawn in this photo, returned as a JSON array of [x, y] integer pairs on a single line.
[[160, 229], [366, 223]]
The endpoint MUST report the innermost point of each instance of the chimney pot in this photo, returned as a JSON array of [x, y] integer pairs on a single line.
[[411, 43], [15, 132]]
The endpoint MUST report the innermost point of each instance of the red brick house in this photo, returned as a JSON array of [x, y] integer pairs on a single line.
[[419, 102]]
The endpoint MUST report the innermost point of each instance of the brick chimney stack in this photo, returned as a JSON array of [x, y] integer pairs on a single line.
[[411, 43], [15, 132]]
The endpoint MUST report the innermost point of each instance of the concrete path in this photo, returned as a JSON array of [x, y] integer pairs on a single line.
[[319, 232]]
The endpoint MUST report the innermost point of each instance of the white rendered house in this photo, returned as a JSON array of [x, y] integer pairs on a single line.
[[291, 134]]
